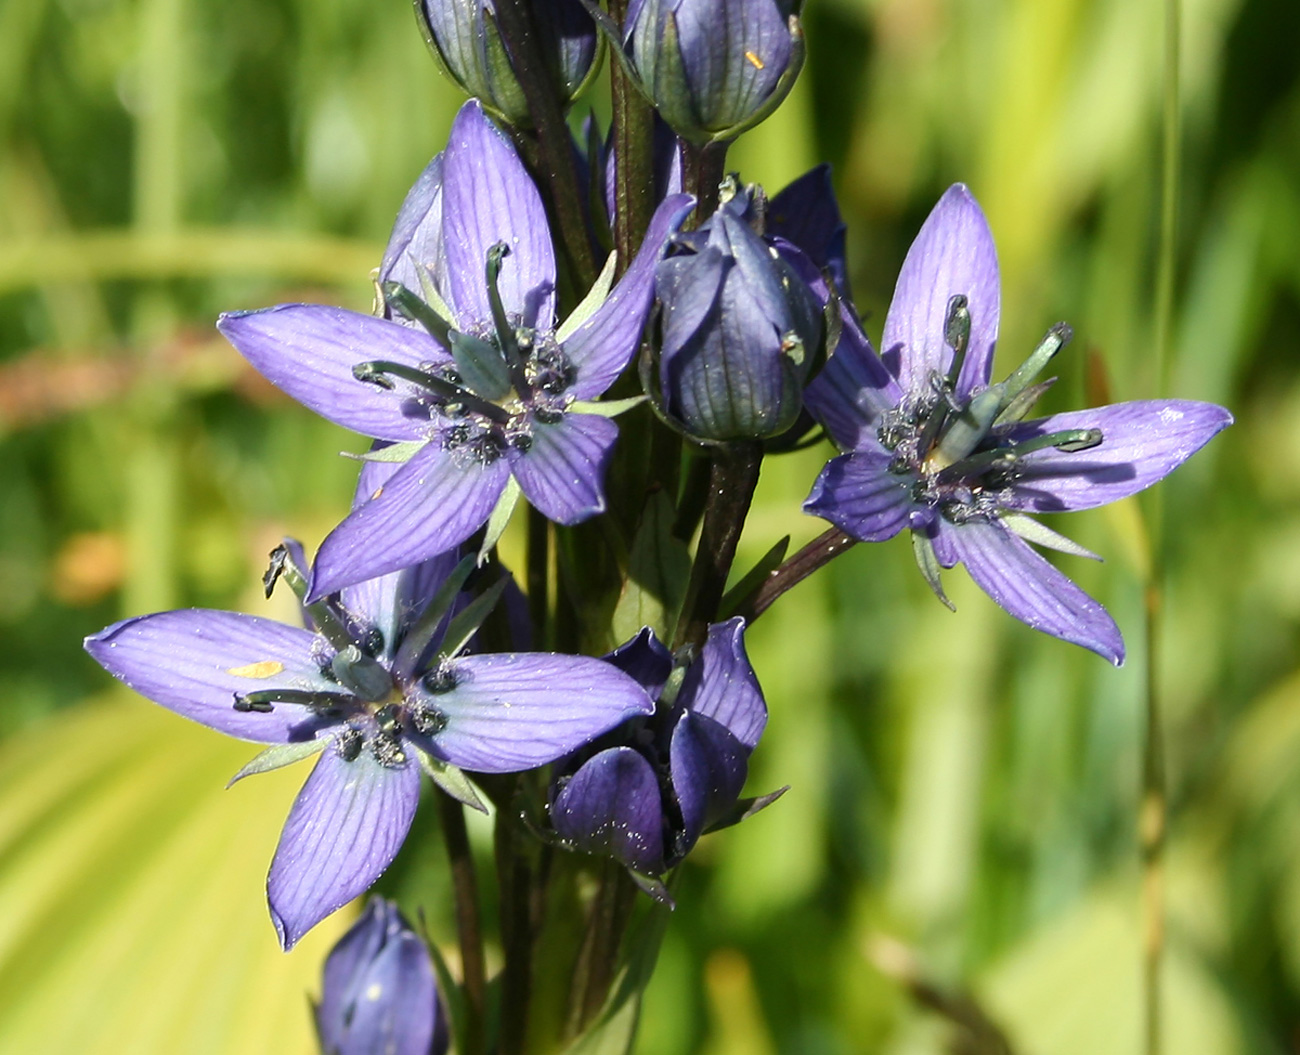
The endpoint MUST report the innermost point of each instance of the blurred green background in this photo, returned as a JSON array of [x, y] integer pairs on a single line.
[[957, 858]]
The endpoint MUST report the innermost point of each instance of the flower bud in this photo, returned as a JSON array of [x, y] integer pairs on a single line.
[[740, 328], [379, 991], [465, 40], [714, 68]]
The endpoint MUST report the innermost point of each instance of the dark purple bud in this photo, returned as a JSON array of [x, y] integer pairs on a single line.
[[714, 68], [379, 991], [464, 38], [740, 328]]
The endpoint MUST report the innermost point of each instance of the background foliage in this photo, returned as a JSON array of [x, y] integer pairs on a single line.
[[957, 859]]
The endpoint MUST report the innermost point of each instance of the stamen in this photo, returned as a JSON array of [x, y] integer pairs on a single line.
[[1070, 441], [263, 702], [378, 372], [956, 334], [1055, 339], [328, 621]]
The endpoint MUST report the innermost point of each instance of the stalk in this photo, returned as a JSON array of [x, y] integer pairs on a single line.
[[732, 478], [468, 922]]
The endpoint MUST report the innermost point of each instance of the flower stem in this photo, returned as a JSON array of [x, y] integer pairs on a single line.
[[733, 475], [817, 553], [702, 171], [634, 148], [468, 925], [515, 882], [559, 173]]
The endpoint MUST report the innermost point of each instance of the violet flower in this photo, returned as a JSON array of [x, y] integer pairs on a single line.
[[646, 793], [740, 328], [379, 992], [486, 390], [463, 36], [714, 68], [933, 446], [379, 689]]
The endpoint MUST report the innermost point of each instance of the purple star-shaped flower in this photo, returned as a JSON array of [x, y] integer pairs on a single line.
[[380, 689], [646, 793], [933, 446], [487, 388]]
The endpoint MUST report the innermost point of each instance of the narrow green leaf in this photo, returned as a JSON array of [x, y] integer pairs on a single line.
[[452, 780], [923, 551], [402, 451], [277, 756], [594, 299], [659, 566], [746, 808], [500, 518], [467, 622], [609, 408], [734, 599], [1032, 531]]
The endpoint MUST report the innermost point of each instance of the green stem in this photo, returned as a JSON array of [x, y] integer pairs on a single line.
[[515, 882], [559, 174], [816, 554], [597, 963], [539, 564], [733, 476], [634, 148], [702, 170], [468, 924]]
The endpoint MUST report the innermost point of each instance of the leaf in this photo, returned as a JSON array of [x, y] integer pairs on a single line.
[[393, 452], [658, 569], [500, 518], [746, 808], [734, 599]]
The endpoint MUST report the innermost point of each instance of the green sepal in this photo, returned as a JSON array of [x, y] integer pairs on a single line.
[[278, 756], [482, 366], [1040, 534], [595, 297], [744, 809], [652, 886], [402, 451], [450, 779], [735, 599], [928, 562], [468, 620], [430, 293], [500, 518], [417, 639], [609, 408]]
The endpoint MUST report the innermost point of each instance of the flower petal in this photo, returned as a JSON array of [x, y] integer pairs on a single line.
[[417, 232], [396, 1009], [721, 684], [645, 658], [344, 829], [853, 389], [860, 496], [601, 347], [953, 253], [388, 602], [309, 350], [806, 213], [612, 805], [514, 711], [708, 766], [433, 502], [194, 661], [1142, 442], [488, 197], [1031, 589], [563, 473]]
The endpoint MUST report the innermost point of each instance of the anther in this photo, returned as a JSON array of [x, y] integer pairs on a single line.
[[348, 744], [439, 680]]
